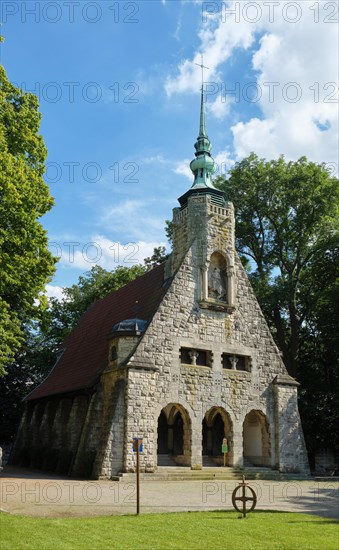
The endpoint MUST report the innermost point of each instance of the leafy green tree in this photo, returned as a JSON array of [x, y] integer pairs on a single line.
[[286, 216], [65, 314], [318, 362], [25, 261], [31, 365], [42, 339], [158, 257]]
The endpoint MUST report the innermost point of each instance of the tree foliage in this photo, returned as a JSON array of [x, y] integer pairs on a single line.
[[38, 353], [286, 216], [158, 257], [287, 232], [318, 363], [25, 261]]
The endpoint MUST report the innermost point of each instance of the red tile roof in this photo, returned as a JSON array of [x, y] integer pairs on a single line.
[[86, 347]]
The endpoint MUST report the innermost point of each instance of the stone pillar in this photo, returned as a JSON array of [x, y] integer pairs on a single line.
[[86, 450], [141, 420], [76, 420], [110, 421], [290, 449], [237, 443], [230, 286], [196, 443]]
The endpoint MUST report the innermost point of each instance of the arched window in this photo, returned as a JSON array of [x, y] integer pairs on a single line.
[[217, 278]]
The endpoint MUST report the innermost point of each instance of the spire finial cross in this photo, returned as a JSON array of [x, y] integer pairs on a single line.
[[202, 70]]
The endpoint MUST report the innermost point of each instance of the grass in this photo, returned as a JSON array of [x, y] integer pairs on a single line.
[[189, 531]]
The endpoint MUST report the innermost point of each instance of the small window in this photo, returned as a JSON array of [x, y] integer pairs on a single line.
[[192, 356], [114, 354], [236, 362]]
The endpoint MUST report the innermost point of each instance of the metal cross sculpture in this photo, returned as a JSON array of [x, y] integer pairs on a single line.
[[202, 70], [243, 498]]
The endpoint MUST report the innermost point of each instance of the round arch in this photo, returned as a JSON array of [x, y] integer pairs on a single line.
[[174, 434], [217, 425], [256, 439]]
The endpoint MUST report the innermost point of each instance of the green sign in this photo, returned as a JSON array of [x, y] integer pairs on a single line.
[[224, 446]]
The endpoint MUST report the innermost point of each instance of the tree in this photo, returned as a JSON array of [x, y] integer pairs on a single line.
[[286, 216], [65, 314], [158, 257], [25, 261], [318, 361], [38, 352]]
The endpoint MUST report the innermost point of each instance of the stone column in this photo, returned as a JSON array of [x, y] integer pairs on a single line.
[[237, 443], [196, 443], [290, 450]]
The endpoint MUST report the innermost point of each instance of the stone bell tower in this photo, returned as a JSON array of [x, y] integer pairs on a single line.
[[204, 222]]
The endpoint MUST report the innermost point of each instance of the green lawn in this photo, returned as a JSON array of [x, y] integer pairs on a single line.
[[191, 531]]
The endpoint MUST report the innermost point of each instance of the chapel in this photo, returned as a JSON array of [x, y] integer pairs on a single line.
[[181, 356]]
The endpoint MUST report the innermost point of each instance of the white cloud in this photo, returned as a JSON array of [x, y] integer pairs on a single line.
[[183, 168], [295, 66], [54, 291], [220, 107], [217, 42], [224, 162], [299, 66]]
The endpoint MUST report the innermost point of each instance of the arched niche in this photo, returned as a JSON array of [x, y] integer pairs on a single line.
[[256, 440], [217, 283], [217, 278]]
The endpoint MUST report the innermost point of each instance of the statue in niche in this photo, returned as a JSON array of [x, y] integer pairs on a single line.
[[217, 285]]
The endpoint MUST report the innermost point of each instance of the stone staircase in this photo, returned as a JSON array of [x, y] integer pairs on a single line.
[[166, 461], [184, 473]]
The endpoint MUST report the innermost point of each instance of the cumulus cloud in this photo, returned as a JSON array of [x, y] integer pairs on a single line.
[[183, 168], [54, 291], [224, 162], [293, 51]]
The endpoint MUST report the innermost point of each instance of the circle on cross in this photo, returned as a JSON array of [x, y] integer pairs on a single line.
[[244, 498]]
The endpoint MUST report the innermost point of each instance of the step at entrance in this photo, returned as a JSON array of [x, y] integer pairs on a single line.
[[166, 460]]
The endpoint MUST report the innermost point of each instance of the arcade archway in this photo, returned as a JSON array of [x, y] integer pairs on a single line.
[[256, 439], [174, 435], [216, 426]]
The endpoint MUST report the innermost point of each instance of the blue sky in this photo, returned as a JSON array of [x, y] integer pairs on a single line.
[[119, 96]]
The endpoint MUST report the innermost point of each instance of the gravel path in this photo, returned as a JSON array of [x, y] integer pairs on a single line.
[[32, 493]]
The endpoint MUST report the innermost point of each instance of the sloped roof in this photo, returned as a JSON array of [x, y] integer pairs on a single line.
[[86, 347]]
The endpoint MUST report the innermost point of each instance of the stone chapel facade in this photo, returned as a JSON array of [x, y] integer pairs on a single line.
[[182, 357]]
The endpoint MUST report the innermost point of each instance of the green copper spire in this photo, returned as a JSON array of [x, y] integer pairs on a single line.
[[202, 114], [203, 166]]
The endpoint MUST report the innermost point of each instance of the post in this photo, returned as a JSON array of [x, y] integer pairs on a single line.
[[138, 478]]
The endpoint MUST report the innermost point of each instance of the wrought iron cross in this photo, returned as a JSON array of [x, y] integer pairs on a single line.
[[202, 70]]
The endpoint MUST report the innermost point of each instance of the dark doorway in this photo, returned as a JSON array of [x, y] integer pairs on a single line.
[[162, 434], [213, 432], [205, 437], [218, 433], [178, 435]]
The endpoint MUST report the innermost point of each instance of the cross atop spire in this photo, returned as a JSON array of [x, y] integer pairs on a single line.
[[202, 71], [203, 166]]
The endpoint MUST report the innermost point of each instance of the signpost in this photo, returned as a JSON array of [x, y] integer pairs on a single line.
[[138, 448], [224, 449]]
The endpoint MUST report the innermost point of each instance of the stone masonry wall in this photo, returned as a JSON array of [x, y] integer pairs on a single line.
[[180, 322]]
